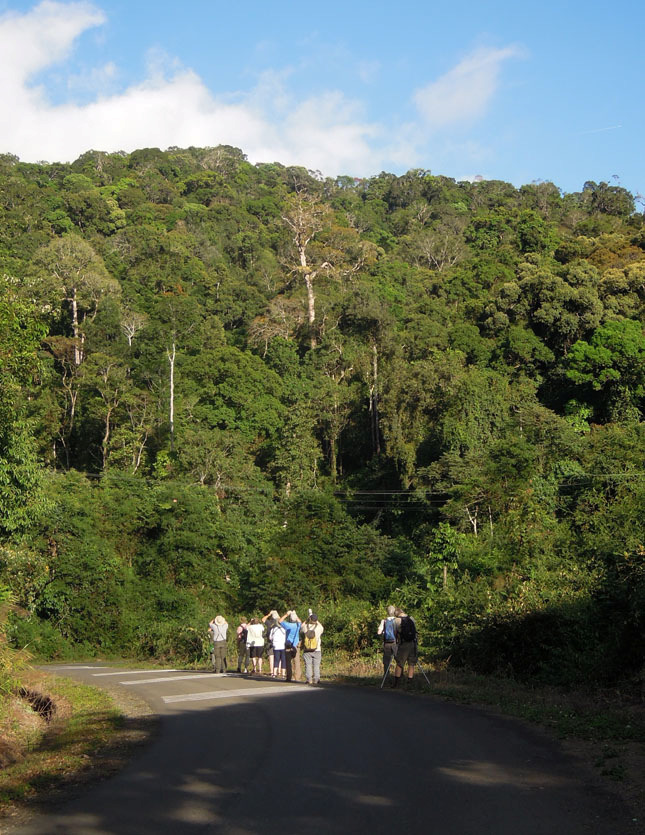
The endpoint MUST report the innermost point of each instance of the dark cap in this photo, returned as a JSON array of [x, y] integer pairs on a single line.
[[313, 617]]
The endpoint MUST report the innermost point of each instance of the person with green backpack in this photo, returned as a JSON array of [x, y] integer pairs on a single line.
[[310, 633]]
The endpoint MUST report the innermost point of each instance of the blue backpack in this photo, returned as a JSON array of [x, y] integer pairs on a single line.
[[389, 634]]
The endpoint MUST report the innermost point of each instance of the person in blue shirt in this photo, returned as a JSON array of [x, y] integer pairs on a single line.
[[291, 624], [387, 630]]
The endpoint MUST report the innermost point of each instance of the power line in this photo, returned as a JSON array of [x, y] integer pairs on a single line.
[[424, 496], [388, 492]]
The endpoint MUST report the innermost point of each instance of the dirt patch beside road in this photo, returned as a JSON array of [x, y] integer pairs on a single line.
[[58, 736]]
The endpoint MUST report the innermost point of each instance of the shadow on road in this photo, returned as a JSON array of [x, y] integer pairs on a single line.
[[342, 759]]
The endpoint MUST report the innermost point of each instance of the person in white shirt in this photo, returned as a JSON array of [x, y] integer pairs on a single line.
[[255, 643], [278, 638], [270, 621]]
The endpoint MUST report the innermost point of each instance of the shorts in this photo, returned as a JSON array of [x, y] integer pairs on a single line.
[[389, 651], [407, 651], [256, 652]]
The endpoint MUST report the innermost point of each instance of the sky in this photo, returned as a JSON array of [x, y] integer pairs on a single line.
[[521, 92]]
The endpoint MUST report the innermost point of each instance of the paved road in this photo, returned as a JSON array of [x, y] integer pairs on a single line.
[[254, 757]]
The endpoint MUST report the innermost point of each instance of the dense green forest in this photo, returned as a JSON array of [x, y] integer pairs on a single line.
[[228, 387]]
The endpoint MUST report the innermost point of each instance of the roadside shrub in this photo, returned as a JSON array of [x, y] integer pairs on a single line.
[[11, 662], [546, 645], [350, 626], [172, 641], [43, 640]]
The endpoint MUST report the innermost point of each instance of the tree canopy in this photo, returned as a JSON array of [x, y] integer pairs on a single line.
[[250, 386]]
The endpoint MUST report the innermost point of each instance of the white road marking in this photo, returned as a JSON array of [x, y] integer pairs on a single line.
[[173, 678], [248, 692], [135, 672]]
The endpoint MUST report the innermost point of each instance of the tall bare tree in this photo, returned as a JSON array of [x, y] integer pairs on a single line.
[[322, 247], [74, 274]]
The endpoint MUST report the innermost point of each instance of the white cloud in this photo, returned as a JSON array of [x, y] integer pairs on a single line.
[[42, 37], [173, 106], [95, 81], [464, 92]]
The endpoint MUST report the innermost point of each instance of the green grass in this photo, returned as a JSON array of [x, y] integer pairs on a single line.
[[87, 736]]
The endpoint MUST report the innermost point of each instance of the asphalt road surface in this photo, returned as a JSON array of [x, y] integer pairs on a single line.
[[251, 756]]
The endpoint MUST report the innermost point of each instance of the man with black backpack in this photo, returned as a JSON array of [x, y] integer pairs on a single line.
[[406, 635], [387, 629]]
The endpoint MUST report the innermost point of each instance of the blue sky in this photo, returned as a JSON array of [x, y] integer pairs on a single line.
[[518, 92]]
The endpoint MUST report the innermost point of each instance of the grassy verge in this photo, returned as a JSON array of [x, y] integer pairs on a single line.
[[58, 736]]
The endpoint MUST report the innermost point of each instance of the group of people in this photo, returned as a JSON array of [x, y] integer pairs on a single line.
[[399, 633], [278, 638], [281, 638]]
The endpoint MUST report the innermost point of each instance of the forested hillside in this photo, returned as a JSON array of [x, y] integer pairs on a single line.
[[229, 387]]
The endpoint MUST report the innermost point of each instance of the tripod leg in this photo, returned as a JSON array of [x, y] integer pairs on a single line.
[[423, 672], [387, 670]]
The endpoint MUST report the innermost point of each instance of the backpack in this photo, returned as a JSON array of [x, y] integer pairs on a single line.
[[243, 635], [311, 640], [407, 630], [389, 635]]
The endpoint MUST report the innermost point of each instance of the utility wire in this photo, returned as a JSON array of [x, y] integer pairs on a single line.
[[388, 498]]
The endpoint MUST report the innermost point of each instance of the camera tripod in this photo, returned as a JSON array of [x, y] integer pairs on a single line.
[[418, 664]]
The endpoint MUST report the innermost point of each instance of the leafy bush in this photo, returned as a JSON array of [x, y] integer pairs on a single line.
[[172, 641], [350, 625], [10, 661], [44, 641]]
